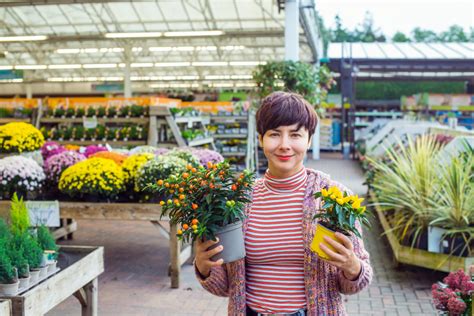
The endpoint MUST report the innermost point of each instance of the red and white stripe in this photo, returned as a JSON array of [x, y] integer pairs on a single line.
[[274, 245]]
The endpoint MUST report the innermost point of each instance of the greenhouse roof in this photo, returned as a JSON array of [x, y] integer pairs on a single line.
[[192, 40]]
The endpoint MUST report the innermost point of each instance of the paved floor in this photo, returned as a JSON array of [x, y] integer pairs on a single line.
[[136, 260]]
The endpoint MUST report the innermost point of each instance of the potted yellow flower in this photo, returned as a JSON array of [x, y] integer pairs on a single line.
[[339, 213]]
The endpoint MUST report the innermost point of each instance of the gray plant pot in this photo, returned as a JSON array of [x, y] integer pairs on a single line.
[[24, 282], [52, 267], [43, 272], [34, 276], [232, 238], [9, 289]]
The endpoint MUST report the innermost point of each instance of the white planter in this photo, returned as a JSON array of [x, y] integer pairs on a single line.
[[34, 276], [43, 272], [9, 289], [52, 266], [24, 282], [435, 243]]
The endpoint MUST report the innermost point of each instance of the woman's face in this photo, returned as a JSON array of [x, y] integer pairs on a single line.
[[285, 148]]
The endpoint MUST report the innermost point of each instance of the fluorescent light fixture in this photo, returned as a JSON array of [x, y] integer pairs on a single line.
[[206, 48], [247, 63], [245, 84], [230, 47], [11, 80], [193, 33], [174, 85], [133, 35], [23, 38], [181, 48], [141, 65], [6, 67], [174, 64], [68, 51], [222, 85], [65, 66], [241, 77], [210, 63], [30, 67], [217, 77], [137, 49], [160, 49], [184, 48], [99, 66], [188, 77]]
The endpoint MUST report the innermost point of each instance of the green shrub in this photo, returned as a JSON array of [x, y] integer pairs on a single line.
[[45, 239], [31, 249], [7, 271], [20, 221], [18, 260]]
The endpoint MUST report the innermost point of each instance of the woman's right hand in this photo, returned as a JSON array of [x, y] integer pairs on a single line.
[[203, 256]]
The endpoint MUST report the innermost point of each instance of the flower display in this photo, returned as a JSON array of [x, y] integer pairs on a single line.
[[20, 174], [161, 151], [116, 157], [161, 167], [132, 165], [56, 164], [207, 155], [35, 155], [17, 137], [72, 147], [94, 177], [340, 210], [454, 294], [202, 200], [51, 148], [143, 149], [184, 154], [92, 149]]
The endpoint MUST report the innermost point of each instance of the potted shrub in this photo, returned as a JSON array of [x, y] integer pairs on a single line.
[[19, 261], [207, 203], [71, 112], [453, 296], [101, 111], [48, 245], [9, 283], [137, 110], [125, 111], [32, 253], [91, 112], [80, 111], [112, 111], [59, 112], [339, 213]]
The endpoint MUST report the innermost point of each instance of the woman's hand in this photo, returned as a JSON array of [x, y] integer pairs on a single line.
[[203, 256], [344, 257]]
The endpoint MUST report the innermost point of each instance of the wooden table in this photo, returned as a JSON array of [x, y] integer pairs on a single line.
[[122, 211], [5, 307], [80, 268]]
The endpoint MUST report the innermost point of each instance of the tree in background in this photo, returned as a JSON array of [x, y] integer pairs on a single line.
[[367, 33], [455, 33], [399, 37], [425, 36]]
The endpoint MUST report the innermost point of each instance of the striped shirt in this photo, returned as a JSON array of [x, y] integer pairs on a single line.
[[274, 245]]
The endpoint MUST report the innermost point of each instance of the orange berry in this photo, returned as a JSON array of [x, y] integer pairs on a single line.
[[233, 187], [182, 196], [171, 191], [176, 201], [176, 186], [180, 232], [181, 190], [193, 170], [160, 182], [185, 175], [167, 185], [185, 226], [211, 186], [189, 167], [209, 165], [194, 227], [194, 222], [194, 206], [162, 203]]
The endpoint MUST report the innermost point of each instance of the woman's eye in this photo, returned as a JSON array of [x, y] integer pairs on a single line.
[[296, 135], [273, 134]]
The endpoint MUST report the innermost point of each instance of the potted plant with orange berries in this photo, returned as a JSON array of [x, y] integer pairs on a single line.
[[339, 213], [207, 203]]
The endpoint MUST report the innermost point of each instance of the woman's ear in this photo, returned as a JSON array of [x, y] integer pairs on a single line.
[[260, 141]]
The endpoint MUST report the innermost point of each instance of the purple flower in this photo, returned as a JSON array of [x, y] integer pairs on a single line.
[[161, 151], [51, 148], [56, 164], [21, 174], [206, 155], [92, 149]]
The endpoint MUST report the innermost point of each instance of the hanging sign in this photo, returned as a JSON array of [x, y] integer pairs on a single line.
[[89, 122]]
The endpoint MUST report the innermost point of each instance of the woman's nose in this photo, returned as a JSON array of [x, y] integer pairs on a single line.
[[284, 142]]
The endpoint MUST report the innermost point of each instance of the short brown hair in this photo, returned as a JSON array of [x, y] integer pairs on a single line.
[[284, 109]]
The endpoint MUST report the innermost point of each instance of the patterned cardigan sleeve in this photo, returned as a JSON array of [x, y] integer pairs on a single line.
[[347, 286], [216, 283]]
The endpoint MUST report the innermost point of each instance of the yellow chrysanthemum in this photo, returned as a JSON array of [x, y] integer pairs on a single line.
[[20, 137], [132, 165]]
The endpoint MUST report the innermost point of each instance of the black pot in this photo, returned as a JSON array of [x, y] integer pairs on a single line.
[[456, 246], [421, 241]]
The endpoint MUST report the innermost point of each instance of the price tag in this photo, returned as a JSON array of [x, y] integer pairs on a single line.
[[43, 213], [90, 122]]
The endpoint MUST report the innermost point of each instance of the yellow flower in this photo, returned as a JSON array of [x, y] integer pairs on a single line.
[[347, 199], [333, 197], [324, 192], [361, 210], [340, 201]]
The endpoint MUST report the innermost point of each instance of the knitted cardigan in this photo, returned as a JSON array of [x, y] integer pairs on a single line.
[[324, 283]]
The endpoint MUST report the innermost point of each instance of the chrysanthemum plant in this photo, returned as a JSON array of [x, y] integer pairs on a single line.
[[203, 200], [340, 211]]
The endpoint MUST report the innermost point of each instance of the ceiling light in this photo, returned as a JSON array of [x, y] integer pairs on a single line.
[[23, 38], [11, 80], [160, 49], [133, 35], [247, 63], [206, 48], [99, 65], [6, 67], [217, 77], [232, 47], [210, 63], [241, 77], [30, 67], [188, 77], [68, 51], [177, 64], [141, 65], [194, 33], [65, 66], [184, 48], [245, 84], [222, 85]]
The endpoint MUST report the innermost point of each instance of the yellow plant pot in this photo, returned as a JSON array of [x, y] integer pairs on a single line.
[[319, 234]]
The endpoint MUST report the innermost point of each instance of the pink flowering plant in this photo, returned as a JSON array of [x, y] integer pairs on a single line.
[[51, 148], [20, 174], [56, 164], [453, 296], [207, 155], [92, 149]]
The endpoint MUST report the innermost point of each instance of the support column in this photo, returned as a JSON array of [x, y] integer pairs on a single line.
[[127, 82], [292, 23], [29, 91]]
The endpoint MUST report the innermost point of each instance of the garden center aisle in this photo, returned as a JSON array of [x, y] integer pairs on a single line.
[[135, 281]]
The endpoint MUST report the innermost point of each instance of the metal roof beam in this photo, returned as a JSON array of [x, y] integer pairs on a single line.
[[19, 3]]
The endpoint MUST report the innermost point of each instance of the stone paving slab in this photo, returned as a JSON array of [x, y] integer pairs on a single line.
[[135, 280]]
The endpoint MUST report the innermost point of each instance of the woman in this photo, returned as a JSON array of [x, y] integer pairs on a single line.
[[280, 274]]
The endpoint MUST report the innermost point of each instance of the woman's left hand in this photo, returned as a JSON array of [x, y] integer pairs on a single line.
[[344, 257]]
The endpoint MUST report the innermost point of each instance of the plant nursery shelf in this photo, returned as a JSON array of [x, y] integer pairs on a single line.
[[80, 268], [5, 307], [234, 154], [95, 142], [5, 120], [199, 142], [229, 119], [230, 136], [102, 120], [419, 257]]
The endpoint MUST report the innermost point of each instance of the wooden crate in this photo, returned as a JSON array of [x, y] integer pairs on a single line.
[[5, 307], [78, 277], [419, 257]]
